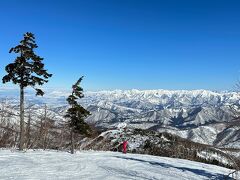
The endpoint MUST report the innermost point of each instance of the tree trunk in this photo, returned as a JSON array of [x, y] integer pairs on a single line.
[[28, 129], [21, 140], [72, 142], [45, 127]]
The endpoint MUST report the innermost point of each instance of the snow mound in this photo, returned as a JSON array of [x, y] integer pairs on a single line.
[[101, 165]]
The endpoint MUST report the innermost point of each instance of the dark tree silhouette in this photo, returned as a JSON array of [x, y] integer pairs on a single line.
[[76, 114], [26, 70]]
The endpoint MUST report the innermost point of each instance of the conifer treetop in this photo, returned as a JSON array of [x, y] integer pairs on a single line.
[[27, 69]]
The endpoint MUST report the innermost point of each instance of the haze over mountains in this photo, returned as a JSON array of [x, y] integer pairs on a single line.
[[198, 115]]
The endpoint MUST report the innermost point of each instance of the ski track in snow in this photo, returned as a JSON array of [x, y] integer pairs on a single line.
[[101, 165]]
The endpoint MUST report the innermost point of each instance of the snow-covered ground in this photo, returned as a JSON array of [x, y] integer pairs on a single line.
[[101, 165]]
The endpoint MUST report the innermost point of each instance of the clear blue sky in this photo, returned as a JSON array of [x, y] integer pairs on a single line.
[[125, 44]]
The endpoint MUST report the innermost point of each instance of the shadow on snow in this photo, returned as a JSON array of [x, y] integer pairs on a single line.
[[213, 176]]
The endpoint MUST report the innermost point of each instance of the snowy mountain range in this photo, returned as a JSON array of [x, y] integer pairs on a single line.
[[198, 115], [201, 116]]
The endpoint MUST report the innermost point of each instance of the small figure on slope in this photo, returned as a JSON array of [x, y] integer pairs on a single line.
[[125, 143], [122, 127]]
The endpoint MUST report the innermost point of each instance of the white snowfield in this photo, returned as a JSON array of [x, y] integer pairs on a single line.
[[101, 165]]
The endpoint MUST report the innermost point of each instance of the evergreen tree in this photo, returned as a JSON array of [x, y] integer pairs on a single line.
[[26, 70], [76, 114]]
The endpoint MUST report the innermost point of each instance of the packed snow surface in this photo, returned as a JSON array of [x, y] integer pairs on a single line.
[[101, 165]]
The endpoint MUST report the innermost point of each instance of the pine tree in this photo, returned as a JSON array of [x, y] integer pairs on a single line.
[[27, 70], [76, 114]]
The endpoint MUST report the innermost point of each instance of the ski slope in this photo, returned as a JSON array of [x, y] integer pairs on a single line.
[[101, 165]]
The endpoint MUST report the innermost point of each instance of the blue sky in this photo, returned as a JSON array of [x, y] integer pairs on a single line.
[[126, 44]]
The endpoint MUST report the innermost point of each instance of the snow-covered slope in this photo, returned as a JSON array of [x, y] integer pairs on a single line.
[[160, 144], [102, 165]]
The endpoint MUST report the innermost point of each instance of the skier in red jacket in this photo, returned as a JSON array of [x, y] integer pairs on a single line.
[[125, 147]]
